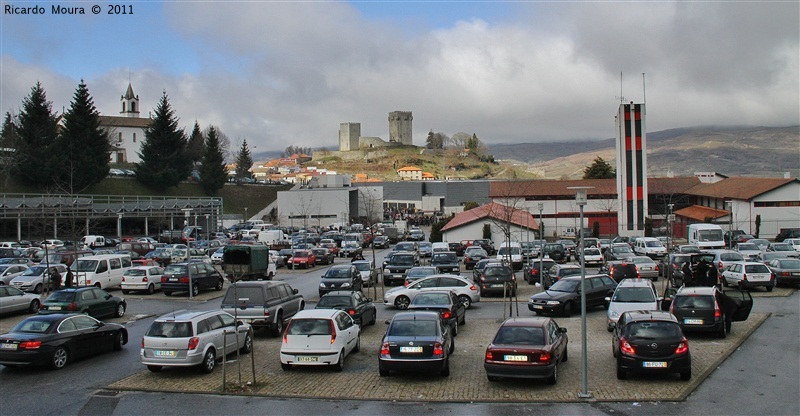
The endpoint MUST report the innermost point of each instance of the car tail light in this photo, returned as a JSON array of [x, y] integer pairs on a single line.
[[488, 356], [72, 306], [351, 312], [772, 276], [719, 265], [144, 279], [447, 315], [545, 357], [142, 342], [483, 278], [625, 347], [123, 278], [406, 283], [30, 345], [784, 274], [333, 332], [683, 347], [744, 277], [163, 279], [194, 342], [437, 349], [473, 287], [656, 266], [184, 279], [385, 349]]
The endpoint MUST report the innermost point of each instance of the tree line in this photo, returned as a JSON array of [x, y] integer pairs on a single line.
[[70, 152]]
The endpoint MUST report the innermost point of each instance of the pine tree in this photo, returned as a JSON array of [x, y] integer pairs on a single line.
[[8, 140], [37, 130], [196, 147], [164, 162], [243, 163], [599, 169], [83, 148], [212, 172]]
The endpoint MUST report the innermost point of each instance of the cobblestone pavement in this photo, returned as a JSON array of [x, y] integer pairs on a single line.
[[467, 381]]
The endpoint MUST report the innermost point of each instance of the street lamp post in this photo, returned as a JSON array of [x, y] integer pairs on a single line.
[[541, 249], [581, 200], [245, 215], [670, 220], [730, 224]]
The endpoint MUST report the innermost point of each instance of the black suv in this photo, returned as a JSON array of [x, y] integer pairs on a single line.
[[556, 252], [486, 244], [192, 275], [706, 309], [650, 342], [396, 270], [446, 261], [619, 270], [787, 233]]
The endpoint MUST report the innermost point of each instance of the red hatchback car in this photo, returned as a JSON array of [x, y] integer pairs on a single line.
[[305, 258], [527, 348]]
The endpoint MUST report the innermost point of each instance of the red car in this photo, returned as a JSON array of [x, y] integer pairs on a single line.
[[526, 348], [332, 247], [305, 258]]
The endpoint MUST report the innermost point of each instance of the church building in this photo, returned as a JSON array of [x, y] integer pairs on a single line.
[[126, 131]]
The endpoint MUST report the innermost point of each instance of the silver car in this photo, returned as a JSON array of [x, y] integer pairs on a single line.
[[14, 300], [369, 275], [9, 271], [32, 280], [401, 297], [648, 269], [185, 339]]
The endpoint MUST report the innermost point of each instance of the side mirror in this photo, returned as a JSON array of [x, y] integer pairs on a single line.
[[562, 330], [387, 322], [295, 291], [607, 299]]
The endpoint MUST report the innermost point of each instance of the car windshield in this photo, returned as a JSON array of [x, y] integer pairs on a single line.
[[170, 330], [362, 267], [330, 301], [519, 335], [403, 260], [179, 253], [33, 325], [693, 302], [335, 273], [309, 327], [591, 252], [570, 272], [565, 286], [36, 271], [731, 257], [789, 264], [621, 249], [709, 235], [782, 247], [642, 260], [404, 247], [634, 295], [302, 253], [653, 330], [653, 244], [415, 328], [445, 258], [431, 299], [506, 250], [82, 265], [61, 296]]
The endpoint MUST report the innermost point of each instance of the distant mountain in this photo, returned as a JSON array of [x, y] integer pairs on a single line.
[[732, 151]]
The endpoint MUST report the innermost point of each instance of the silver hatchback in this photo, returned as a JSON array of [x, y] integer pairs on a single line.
[[185, 339]]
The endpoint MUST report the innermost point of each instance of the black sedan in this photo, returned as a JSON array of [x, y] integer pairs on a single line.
[[340, 277], [526, 348], [416, 341], [452, 310], [358, 306], [323, 256], [57, 339], [564, 296]]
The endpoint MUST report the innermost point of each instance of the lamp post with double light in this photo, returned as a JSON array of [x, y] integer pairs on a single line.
[[541, 243], [581, 200]]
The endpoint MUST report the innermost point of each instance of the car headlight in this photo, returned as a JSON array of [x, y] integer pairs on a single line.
[[345, 284], [322, 285], [553, 302]]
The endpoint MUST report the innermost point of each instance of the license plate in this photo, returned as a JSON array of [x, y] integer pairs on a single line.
[[757, 278], [160, 353], [302, 359], [8, 346], [173, 279], [654, 364], [538, 307], [647, 268], [497, 285], [689, 321], [410, 349], [515, 358], [54, 308], [796, 274]]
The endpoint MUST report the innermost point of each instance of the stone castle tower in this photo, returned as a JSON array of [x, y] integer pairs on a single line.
[[130, 103], [400, 127], [349, 133]]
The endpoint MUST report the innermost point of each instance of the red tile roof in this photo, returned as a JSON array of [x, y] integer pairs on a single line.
[[700, 213], [738, 187], [496, 212], [408, 169]]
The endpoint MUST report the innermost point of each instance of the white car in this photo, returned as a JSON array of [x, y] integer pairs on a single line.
[[795, 242], [592, 256], [319, 337], [147, 278], [401, 296], [748, 250], [631, 295], [31, 280], [747, 274], [216, 256], [369, 275]]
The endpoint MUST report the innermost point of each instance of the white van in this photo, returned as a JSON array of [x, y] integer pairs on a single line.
[[104, 271], [705, 236], [441, 246], [93, 241], [514, 249], [650, 247], [270, 237]]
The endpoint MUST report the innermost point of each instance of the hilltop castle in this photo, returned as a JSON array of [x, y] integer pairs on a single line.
[[400, 133]]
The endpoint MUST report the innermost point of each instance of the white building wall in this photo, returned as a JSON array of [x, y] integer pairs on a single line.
[[301, 208], [128, 140], [773, 218]]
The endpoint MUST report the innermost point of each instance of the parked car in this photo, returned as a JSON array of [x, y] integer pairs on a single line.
[[190, 276], [618, 253], [88, 300], [592, 255], [498, 279], [446, 303], [425, 249], [58, 339], [35, 278], [486, 244], [645, 267], [650, 342], [472, 255], [380, 241], [216, 256], [787, 271], [526, 348], [556, 251], [706, 309], [558, 271], [768, 256], [9, 271], [446, 261], [631, 295], [457, 248], [323, 256], [416, 341], [265, 304], [340, 277], [746, 275], [532, 274], [305, 258], [401, 297], [416, 235], [795, 242], [477, 271], [146, 278], [688, 249], [350, 249], [785, 233], [619, 270], [15, 300], [196, 338], [571, 247], [671, 268], [369, 275], [749, 251], [784, 248], [355, 304], [319, 337], [564, 296], [418, 272], [396, 270], [408, 246], [760, 242]]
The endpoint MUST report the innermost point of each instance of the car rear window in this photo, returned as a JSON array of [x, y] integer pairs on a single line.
[[329, 301], [445, 258], [168, 329], [32, 326], [416, 328], [519, 335], [61, 296], [634, 294], [653, 330], [756, 268], [309, 327], [246, 295], [432, 299], [694, 302]]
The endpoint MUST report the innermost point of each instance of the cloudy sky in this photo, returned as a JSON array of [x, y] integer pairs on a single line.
[[288, 72]]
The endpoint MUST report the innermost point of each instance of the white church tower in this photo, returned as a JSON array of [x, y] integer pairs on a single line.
[[130, 103]]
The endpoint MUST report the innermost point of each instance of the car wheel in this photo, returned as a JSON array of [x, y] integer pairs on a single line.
[[38, 288], [374, 318], [219, 285], [34, 306], [339, 366], [248, 344], [119, 341], [125, 292], [209, 362], [568, 309], [728, 324], [195, 289], [455, 329], [357, 348], [402, 302], [382, 372], [59, 359], [686, 375], [769, 288], [278, 328], [154, 368], [167, 293], [621, 374], [452, 348], [286, 367], [722, 333], [120, 310], [553, 379], [445, 372], [465, 300], [151, 289]]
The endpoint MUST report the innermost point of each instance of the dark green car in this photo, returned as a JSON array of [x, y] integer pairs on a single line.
[[89, 300]]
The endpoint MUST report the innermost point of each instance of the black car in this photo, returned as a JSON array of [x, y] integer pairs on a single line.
[[445, 261], [486, 244], [194, 276], [340, 277], [706, 309], [564, 296], [452, 310], [619, 270], [527, 348], [556, 252], [670, 267], [472, 257], [498, 279], [650, 342], [416, 341], [358, 306], [396, 270], [323, 256], [477, 271], [532, 273], [416, 235], [618, 253], [457, 248], [380, 241], [57, 339]]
